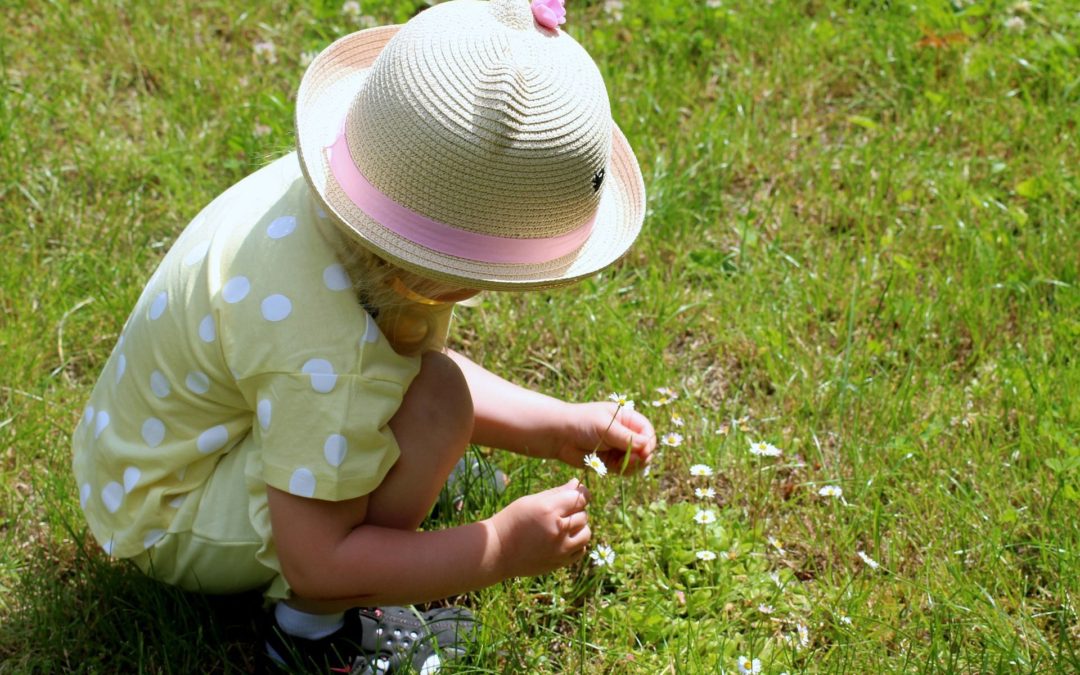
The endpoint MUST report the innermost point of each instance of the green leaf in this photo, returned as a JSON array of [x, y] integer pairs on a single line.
[[864, 122], [1031, 188]]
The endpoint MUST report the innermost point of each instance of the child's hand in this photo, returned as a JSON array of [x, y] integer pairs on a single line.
[[543, 532], [590, 427]]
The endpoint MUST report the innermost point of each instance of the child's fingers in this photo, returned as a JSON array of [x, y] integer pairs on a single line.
[[572, 498], [573, 523]]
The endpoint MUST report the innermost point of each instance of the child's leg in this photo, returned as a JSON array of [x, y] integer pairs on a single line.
[[432, 427]]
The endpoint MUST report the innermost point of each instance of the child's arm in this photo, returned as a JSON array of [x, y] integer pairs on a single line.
[[527, 422], [330, 556]]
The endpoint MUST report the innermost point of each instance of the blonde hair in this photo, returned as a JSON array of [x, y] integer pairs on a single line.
[[400, 301]]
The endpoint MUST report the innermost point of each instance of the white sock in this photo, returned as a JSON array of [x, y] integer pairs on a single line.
[[307, 626]]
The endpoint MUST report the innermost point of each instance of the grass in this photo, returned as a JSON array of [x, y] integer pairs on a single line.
[[862, 246]]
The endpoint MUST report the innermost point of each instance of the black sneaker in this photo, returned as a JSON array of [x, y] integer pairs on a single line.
[[377, 641]]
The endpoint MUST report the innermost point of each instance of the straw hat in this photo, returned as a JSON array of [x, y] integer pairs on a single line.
[[471, 144]]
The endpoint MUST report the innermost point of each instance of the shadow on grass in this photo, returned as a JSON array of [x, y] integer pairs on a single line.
[[74, 610]]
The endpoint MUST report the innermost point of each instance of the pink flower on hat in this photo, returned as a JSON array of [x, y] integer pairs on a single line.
[[549, 13]]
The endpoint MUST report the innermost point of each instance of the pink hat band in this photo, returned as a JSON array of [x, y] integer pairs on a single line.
[[441, 237]]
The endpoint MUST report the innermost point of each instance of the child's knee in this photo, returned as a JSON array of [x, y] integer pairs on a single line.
[[438, 400]]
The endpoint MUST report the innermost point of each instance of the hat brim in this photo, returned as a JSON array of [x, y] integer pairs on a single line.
[[326, 93]]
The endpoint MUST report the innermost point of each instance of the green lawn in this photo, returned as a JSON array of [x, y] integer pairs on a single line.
[[862, 247]]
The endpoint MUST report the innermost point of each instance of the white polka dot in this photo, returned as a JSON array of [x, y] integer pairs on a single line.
[[107, 547], [213, 439], [371, 331], [302, 483], [276, 307], [336, 278], [334, 449], [197, 253], [322, 374], [131, 478], [236, 289], [153, 431], [121, 366], [88, 415], [207, 328], [101, 420], [159, 384], [175, 502], [157, 307], [84, 494], [282, 226], [152, 537], [112, 495], [264, 410], [198, 382]]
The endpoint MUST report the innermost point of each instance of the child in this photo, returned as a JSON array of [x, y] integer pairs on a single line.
[[280, 410]]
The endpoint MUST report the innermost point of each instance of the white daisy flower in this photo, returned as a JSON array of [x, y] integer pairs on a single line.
[[266, 51], [804, 635], [705, 493], [351, 9], [671, 439], [705, 555], [763, 449], [775, 576], [622, 400], [701, 470], [776, 544], [873, 564], [704, 516], [594, 462], [831, 491], [765, 609], [602, 555], [677, 420], [748, 667], [667, 395], [845, 619], [1014, 23]]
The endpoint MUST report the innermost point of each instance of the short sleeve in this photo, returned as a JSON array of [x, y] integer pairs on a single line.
[[326, 436]]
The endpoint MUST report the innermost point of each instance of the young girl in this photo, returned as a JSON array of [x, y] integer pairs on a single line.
[[280, 410]]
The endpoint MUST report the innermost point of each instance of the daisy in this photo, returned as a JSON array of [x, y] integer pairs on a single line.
[[602, 555], [266, 51], [671, 439], [748, 667], [704, 493], [763, 449], [765, 609], [596, 464], [845, 619], [804, 635], [831, 491], [1014, 23], [776, 544], [666, 396], [677, 420], [705, 555], [704, 517], [868, 560], [622, 400], [701, 470], [307, 57], [775, 576], [351, 9]]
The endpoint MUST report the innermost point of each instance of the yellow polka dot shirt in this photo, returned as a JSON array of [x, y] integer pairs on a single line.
[[249, 331]]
